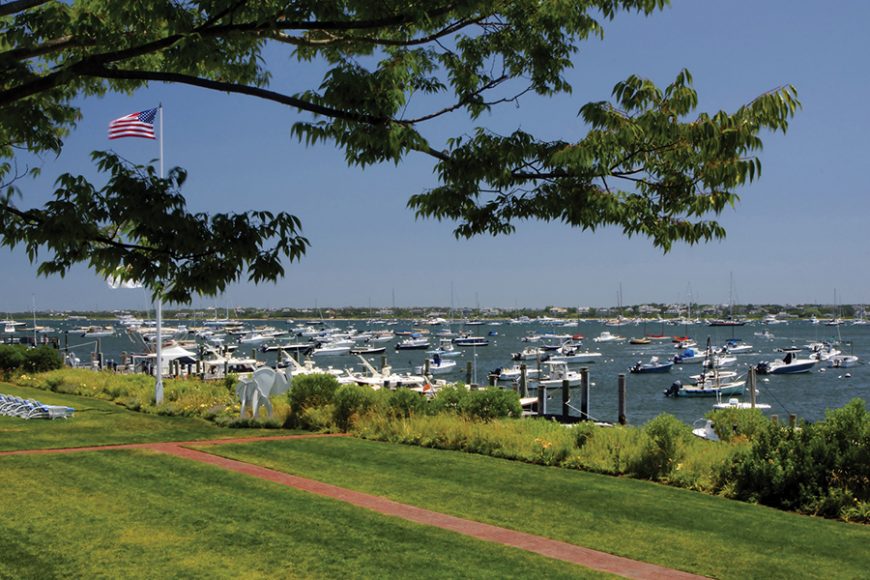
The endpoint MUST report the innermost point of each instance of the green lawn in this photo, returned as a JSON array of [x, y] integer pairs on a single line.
[[99, 422], [136, 514], [671, 527]]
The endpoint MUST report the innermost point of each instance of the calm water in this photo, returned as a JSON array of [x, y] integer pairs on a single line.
[[807, 395]]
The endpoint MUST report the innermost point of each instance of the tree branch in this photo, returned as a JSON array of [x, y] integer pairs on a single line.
[[302, 105], [19, 6]]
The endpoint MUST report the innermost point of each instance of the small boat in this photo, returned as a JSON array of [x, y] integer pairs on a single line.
[[437, 366], [719, 360], [789, 365], [733, 403], [513, 373], [368, 349], [607, 336], [557, 372], [328, 349], [706, 431], [640, 340], [413, 343], [842, 361], [653, 366], [531, 354], [715, 389], [98, 331], [471, 341], [690, 356], [574, 356], [445, 348], [735, 346]]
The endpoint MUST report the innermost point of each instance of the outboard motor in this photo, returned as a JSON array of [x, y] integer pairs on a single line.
[[673, 389], [762, 368]]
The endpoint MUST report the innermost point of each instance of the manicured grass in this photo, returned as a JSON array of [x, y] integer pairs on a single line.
[[671, 527], [99, 422], [136, 514]]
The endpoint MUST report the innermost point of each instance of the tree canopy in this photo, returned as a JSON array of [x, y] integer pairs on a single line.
[[648, 162]]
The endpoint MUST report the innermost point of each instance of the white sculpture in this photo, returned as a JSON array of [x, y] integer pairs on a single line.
[[263, 383]]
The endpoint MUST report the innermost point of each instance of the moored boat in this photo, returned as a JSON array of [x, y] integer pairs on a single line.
[[653, 366]]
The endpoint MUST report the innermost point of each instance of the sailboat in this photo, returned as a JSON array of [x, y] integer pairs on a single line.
[[730, 321]]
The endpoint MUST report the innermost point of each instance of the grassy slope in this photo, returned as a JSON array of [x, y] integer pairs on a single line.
[[641, 520], [134, 514], [99, 422]]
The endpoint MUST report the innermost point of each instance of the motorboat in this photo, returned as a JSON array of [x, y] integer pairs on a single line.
[[733, 403], [690, 356], [531, 354], [331, 349], [573, 355], [714, 389], [367, 349], [437, 366], [719, 360], [712, 375], [471, 341], [653, 366], [789, 365], [705, 429], [735, 346], [513, 373], [445, 349], [98, 331], [607, 336], [385, 378], [557, 372], [413, 343], [842, 361]]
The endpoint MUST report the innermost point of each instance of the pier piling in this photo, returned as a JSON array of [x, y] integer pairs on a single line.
[[584, 394], [566, 395], [622, 393], [524, 381]]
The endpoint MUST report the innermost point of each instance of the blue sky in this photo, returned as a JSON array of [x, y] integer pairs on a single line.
[[798, 235]]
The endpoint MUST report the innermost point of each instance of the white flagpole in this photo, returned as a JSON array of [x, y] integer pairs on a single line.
[[158, 387]]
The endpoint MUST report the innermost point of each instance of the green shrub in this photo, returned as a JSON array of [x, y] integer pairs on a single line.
[[612, 450], [351, 401], [491, 403], [582, 433], [313, 390], [41, 359], [449, 399], [731, 424], [404, 403], [11, 359], [822, 468], [664, 445]]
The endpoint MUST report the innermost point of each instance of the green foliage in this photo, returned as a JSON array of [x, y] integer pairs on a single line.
[[821, 468], [350, 402], [491, 403], [731, 424], [405, 403], [11, 358], [41, 359], [309, 392], [182, 397], [458, 58], [666, 439], [32, 360], [449, 399]]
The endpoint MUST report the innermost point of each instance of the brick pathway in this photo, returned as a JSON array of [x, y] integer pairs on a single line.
[[555, 549]]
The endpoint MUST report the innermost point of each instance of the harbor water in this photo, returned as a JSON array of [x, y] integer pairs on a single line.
[[806, 395]]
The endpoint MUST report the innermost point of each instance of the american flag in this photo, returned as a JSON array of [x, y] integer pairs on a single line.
[[134, 125]]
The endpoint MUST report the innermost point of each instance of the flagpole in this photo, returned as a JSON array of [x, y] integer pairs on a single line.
[[158, 387]]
